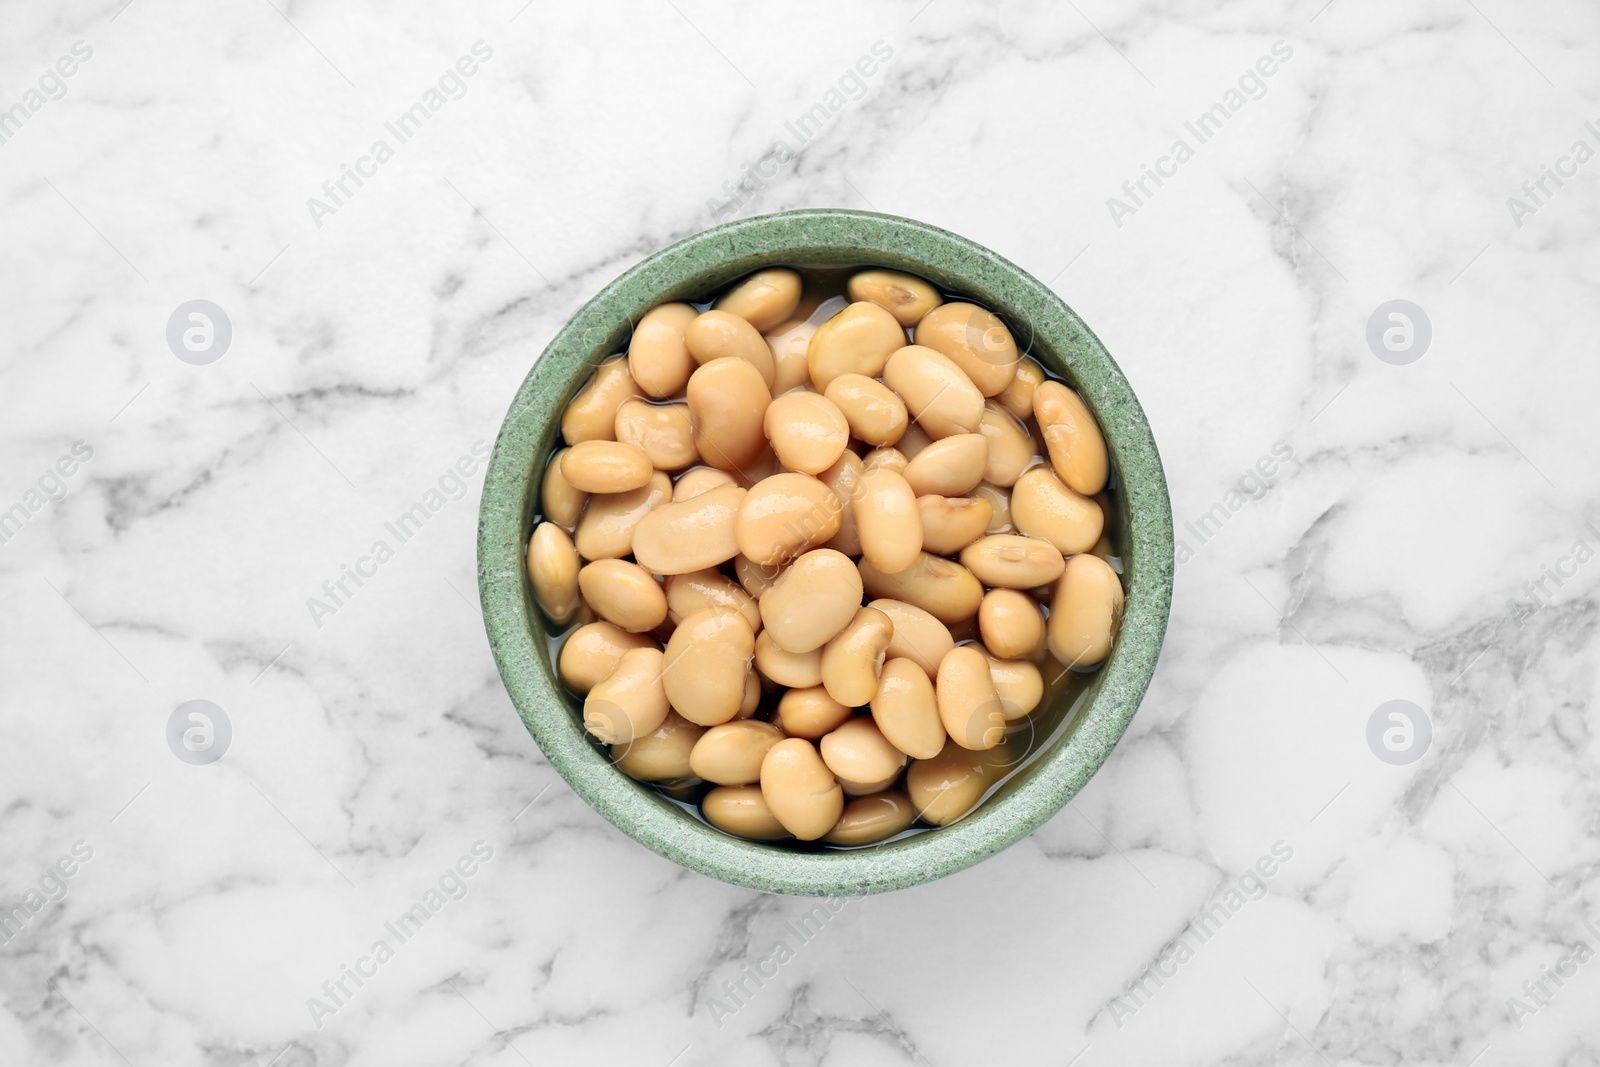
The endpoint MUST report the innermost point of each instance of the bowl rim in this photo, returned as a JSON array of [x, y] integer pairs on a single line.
[[727, 251]]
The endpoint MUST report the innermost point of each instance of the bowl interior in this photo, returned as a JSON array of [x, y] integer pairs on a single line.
[[695, 269]]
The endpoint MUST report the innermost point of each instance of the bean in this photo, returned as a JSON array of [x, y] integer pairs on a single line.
[[906, 711], [1085, 611], [789, 346], [755, 578], [949, 785], [869, 819], [752, 696], [707, 659], [888, 521], [663, 432], [942, 587], [812, 294], [874, 412], [720, 335], [623, 593], [560, 502], [918, 636], [813, 600], [661, 755], [975, 340], [765, 299], [829, 306], [553, 570], [1077, 449], [1040, 449], [692, 483], [799, 789], [684, 789], [851, 660], [728, 400], [629, 702], [1011, 561], [592, 414], [853, 788], [592, 651], [915, 440], [731, 754], [1104, 548], [965, 631], [690, 535], [740, 810], [1011, 448], [605, 467], [785, 515], [857, 751], [999, 501], [1000, 759], [810, 713], [797, 670], [765, 465], [937, 393], [1041, 506], [891, 459], [808, 431], [1018, 684], [843, 478], [905, 296], [855, 341], [709, 588], [950, 524], [658, 359], [950, 467], [1011, 624], [969, 707], [606, 529], [1018, 396]]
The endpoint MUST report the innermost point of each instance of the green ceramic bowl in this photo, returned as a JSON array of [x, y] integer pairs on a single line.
[[694, 269]]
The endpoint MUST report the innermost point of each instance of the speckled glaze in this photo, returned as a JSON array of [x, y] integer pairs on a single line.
[[693, 269]]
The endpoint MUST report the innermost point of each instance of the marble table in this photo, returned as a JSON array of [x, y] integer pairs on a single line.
[[1346, 253]]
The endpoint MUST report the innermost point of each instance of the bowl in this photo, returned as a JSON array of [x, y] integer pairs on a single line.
[[693, 269]]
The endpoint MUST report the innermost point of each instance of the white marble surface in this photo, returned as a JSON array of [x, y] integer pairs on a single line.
[[370, 353]]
